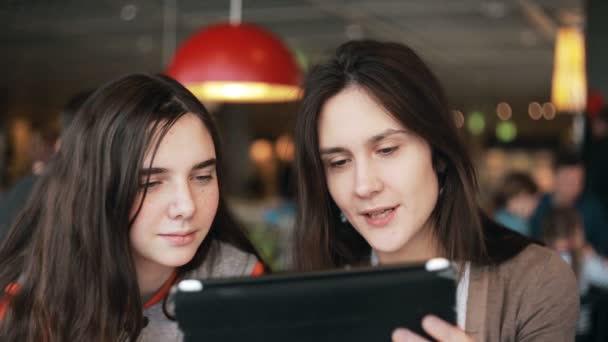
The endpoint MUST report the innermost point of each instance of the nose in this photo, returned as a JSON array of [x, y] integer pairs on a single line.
[[182, 206], [367, 181]]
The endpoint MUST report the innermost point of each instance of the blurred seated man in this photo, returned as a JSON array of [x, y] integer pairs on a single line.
[[568, 191], [16, 197]]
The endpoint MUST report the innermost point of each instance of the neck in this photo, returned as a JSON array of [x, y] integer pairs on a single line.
[[151, 277], [421, 247]]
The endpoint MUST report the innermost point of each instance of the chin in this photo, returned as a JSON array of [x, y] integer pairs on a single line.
[[179, 261], [387, 246]]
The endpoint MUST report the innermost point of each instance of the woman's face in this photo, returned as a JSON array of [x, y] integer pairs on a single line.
[[378, 172], [181, 200]]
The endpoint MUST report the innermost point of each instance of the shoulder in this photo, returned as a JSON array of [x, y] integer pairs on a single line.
[[538, 272], [536, 262], [502, 215], [15, 199], [226, 260], [544, 290]]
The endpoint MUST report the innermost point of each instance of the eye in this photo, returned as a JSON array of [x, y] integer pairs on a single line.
[[336, 164], [149, 185], [203, 178], [387, 150]]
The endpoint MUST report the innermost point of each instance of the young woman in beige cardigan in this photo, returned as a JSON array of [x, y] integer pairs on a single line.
[[384, 178]]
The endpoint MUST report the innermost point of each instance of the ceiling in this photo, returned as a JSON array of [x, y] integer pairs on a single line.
[[484, 52]]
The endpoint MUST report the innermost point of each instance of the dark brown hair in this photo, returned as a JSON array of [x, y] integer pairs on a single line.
[[69, 250], [399, 81]]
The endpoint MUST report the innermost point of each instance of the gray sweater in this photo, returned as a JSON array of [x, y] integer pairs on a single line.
[[230, 262]]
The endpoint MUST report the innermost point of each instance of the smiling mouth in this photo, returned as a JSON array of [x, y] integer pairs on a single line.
[[380, 217], [380, 213]]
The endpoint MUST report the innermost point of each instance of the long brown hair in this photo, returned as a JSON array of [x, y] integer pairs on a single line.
[[400, 82], [69, 250]]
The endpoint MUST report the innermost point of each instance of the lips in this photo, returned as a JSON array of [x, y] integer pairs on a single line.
[[179, 239], [379, 217]]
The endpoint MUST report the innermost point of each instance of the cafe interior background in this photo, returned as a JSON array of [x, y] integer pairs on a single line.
[[498, 60]]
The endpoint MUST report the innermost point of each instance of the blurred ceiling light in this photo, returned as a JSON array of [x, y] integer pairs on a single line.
[[458, 118], [284, 148], [569, 86], [260, 151], [476, 123], [506, 131], [535, 110], [549, 111], [236, 62], [128, 12], [504, 111]]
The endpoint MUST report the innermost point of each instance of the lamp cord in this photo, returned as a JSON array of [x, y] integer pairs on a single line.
[[236, 12]]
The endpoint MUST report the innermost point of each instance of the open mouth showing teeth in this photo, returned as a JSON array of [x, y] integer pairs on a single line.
[[379, 214]]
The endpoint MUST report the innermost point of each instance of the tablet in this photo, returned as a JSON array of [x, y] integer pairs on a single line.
[[346, 305]]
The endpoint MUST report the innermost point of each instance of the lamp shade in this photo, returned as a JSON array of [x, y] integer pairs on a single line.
[[569, 86], [236, 63]]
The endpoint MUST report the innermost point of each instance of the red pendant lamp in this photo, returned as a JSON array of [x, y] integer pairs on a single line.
[[236, 62]]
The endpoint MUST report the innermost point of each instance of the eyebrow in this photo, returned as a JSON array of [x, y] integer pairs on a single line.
[[372, 140], [332, 150], [159, 170], [386, 134]]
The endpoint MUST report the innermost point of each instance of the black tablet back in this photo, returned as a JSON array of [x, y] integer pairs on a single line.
[[350, 305]]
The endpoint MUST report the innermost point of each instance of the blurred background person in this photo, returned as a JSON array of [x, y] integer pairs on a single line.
[[515, 202], [563, 231], [568, 191], [595, 155], [43, 147]]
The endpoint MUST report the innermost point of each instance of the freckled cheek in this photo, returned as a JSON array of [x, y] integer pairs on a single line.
[[207, 202]]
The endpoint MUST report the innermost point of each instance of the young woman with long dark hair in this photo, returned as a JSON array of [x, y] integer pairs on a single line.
[[384, 178], [130, 204]]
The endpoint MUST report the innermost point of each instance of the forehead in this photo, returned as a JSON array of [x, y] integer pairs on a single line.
[[353, 115], [187, 141]]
